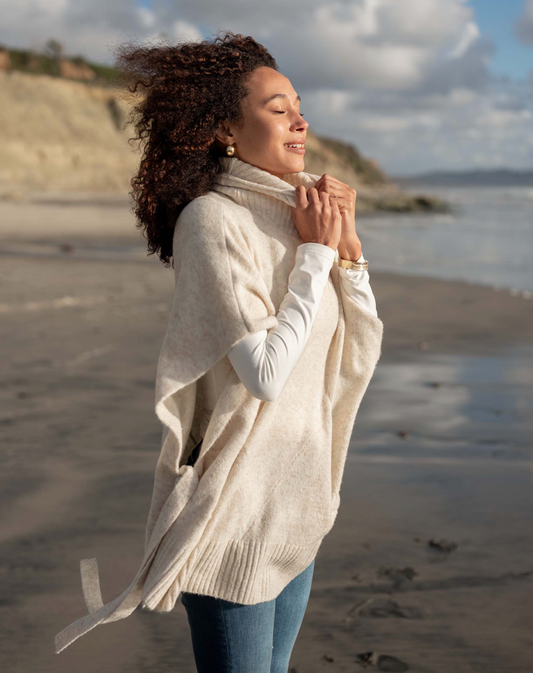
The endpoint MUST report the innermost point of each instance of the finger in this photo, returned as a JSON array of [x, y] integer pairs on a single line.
[[312, 195], [340, 200], [301, 197]]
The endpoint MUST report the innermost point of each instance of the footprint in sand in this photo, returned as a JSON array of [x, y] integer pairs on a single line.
[[380, 607], [397, 575], [383, 662], [385, 607], [387, 663], [442, 545]]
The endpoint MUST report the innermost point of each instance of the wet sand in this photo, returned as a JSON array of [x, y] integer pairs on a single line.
[[429, 561]]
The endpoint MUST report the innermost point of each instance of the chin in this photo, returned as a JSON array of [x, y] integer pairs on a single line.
[[295, 166]]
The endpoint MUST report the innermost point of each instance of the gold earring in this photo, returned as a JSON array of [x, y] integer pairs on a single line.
[[230, 150]]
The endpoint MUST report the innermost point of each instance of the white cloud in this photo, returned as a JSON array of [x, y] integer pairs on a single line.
[[469, 35], [391, 124], [186, 32], [524, 25], [407, 81], [460, 96], [503, 118], [146, 16]]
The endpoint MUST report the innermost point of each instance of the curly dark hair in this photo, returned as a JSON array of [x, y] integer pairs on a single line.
[[189, 90]]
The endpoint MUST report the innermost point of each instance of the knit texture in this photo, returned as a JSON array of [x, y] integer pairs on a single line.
[[250, 515]]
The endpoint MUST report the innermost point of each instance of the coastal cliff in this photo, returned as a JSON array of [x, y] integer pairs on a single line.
[[59, 134]]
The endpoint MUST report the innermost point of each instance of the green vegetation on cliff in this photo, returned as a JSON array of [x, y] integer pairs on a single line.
[[62, 129]]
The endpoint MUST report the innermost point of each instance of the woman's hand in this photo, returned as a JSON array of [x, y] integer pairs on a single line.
[[316, 217], [349, 244]]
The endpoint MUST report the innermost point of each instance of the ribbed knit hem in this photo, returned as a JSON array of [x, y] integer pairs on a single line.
[[247, 572]]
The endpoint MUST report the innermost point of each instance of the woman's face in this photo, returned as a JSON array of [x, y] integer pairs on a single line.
[[268, 125]]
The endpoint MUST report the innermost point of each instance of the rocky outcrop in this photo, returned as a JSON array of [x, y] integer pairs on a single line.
[[58, 134]]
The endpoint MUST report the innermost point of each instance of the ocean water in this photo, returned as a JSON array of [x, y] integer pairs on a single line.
[[453, 407], [487, 238]]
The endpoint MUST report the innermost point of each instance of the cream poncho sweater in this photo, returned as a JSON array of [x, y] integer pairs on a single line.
[[252, 512]]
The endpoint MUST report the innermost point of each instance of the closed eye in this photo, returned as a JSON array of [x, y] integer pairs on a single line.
[[282, 112]]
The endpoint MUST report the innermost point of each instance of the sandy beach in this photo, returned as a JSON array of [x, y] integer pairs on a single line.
[[429, 565]]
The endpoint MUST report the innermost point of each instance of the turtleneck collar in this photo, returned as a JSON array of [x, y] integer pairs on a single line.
[[261, 191]]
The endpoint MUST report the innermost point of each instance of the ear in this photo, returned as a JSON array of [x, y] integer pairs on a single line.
[[224, 135]]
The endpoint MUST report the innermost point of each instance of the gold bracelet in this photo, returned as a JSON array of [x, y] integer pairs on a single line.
[[348, 264]]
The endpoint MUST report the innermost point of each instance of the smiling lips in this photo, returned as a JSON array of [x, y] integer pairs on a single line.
[[299, 148]]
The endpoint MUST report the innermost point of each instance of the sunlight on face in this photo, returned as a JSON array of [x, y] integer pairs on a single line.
[[268, 124]]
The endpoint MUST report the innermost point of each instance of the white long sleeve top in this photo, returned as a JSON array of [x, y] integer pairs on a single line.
[[264, 360]]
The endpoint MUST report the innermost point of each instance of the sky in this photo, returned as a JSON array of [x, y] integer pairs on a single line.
[[418, 85]]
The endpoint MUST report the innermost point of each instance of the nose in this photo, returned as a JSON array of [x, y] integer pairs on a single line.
[[301, 125]]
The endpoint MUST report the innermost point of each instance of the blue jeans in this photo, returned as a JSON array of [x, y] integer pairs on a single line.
[[236, 638]]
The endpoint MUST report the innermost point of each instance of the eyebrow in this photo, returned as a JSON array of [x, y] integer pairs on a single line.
[[279, 95]]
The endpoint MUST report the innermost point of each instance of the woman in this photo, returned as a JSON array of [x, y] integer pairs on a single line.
[[271, 342]]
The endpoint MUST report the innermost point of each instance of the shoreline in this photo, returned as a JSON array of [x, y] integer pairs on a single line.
[[449, 315], [438, 452]]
